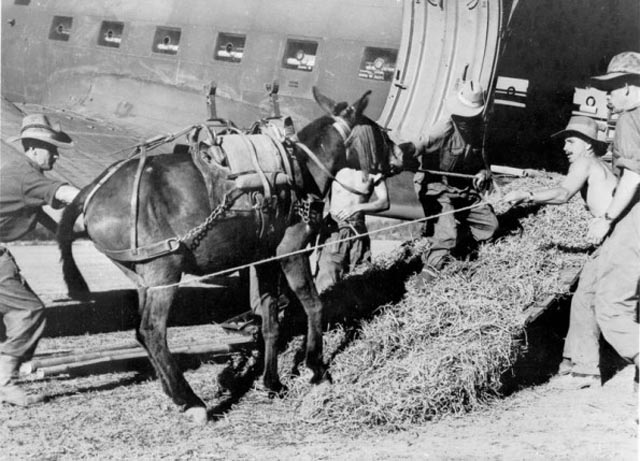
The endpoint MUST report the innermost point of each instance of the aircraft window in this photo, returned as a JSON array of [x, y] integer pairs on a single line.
[[300, 55], [378, 63], [60, 28], [166, 40], [22, 2], [110, 34], [229, 47]]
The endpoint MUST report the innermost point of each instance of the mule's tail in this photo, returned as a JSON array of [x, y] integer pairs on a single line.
[[77, 286]]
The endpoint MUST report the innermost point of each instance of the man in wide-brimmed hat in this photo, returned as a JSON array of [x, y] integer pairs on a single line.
[[593, 178], [454, 145], [618, 272], [24, 190]]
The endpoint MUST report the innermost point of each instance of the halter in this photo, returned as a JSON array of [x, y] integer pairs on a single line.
[[342, 127]]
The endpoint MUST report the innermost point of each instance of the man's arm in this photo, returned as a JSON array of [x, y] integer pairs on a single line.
[[380, 203], [65, 194], [438, 131], [574, 181], [625, 192]]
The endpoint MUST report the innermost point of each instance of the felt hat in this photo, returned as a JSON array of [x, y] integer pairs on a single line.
[[624, 68], [468, 101], [584, 128], [38, 127]]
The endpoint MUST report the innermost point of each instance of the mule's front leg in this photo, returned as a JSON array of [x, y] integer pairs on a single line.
[[298, 273], [154, 308], [265, 278]]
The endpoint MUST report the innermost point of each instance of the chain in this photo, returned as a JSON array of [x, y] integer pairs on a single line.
[[198, 233], [303, 207]]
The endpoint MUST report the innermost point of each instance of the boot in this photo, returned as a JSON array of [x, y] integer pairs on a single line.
[[422, 280], [9, 391]]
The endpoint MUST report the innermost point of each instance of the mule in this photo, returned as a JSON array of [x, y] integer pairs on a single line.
[[173, 200]]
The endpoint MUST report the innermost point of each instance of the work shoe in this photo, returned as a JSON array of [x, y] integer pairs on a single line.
[[565, 367], [422, 280], [11, 393], [575, 381], [246, 323]]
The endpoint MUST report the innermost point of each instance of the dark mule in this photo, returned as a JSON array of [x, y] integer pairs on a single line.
[[173, 200]]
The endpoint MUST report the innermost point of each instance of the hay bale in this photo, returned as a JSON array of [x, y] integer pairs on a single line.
[[444, 350]]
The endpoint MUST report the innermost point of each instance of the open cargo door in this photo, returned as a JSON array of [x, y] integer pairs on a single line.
[[443, 43]]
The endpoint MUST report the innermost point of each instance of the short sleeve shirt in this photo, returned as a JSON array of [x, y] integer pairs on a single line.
[[447, 151], [626, 142], [24, 189]]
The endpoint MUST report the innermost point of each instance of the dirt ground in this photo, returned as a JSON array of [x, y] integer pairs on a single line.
[[125, 415]]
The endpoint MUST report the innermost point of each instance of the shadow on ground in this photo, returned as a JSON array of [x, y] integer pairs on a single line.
[[117, 310], [543, 342]]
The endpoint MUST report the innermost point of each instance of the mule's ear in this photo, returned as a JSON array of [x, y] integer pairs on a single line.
[[289, 128], [361, 104], [323, 101]]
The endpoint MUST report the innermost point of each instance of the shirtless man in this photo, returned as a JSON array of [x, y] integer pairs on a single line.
[[346, 218], [595, 181]]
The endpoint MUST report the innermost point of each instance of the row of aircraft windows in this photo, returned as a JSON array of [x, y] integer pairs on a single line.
[[376, 64]]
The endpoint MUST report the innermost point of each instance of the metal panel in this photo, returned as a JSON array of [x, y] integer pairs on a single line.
[[443, 42]]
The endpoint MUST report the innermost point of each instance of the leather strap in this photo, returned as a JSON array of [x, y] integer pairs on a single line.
[[326, 171], [135, 197], [154, 250], [342, 127], [256, 164]]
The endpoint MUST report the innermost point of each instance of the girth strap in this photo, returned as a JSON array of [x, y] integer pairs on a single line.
[[153, 250], [135, 198], [256, 164]]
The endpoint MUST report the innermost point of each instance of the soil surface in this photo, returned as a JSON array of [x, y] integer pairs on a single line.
[[125, 415]]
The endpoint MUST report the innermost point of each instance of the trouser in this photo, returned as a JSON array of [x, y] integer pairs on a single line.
[[443, 231], [22, 311], [616, 294], [336, 258], [582, 342], [283, 293]]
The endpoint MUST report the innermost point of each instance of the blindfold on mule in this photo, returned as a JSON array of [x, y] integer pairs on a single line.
[[362, 146]]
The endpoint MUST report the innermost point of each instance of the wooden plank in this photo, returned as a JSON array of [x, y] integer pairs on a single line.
[[568, 277]]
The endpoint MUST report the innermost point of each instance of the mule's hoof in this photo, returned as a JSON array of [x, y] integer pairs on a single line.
[[280, 393], [198, 415], [320, 376]]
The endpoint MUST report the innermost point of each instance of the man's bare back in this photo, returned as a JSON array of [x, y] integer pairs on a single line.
[[345, 204], [588, 175], [598, 188]]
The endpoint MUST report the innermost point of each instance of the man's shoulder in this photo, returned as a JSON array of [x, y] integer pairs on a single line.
[[582, 165], [629, 121], [349, 174], [18, 163], [15, 169]]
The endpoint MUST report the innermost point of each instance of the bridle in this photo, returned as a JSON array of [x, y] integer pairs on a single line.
[[344, 130]]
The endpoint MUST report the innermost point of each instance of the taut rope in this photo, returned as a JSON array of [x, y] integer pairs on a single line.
[[311, 249]]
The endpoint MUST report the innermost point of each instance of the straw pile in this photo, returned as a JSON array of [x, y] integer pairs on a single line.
[[443, 350]]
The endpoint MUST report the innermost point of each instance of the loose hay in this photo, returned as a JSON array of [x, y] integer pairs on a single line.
[[444, 350]]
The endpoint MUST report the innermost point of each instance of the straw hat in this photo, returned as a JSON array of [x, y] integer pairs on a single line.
[[585, 128], [38, 126], [469, 101], [623, 68]]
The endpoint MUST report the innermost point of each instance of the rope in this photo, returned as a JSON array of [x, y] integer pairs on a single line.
[[311, 249]]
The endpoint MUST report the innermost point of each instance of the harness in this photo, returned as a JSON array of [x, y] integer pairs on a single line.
[[261, 180]]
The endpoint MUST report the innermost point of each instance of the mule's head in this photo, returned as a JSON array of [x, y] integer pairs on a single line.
[[368, 146]]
